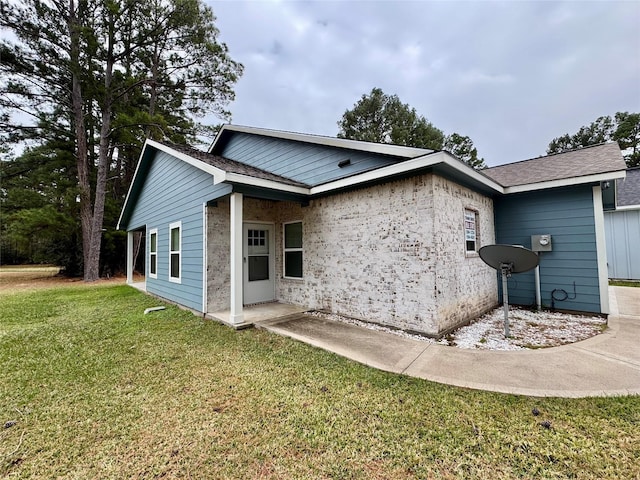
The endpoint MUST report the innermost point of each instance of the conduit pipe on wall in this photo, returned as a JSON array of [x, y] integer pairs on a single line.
[[538, 296]]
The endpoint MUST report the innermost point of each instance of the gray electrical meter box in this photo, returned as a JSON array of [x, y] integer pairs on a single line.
[[541, 243]]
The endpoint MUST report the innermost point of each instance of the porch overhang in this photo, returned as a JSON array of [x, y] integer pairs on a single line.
[[270, 193]]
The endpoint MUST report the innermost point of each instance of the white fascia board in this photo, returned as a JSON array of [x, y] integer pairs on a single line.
[[217, 173], [624, 208], [216, 138], [133, 181], [465, 169], [566, 182], [405, 167], [380, 148], [261, 182]]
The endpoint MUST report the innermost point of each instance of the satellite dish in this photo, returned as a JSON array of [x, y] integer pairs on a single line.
[[521, 259], [508, 259]]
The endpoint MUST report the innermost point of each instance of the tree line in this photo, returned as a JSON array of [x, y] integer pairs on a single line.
[[623, 127], [84, 82], [378, 117]]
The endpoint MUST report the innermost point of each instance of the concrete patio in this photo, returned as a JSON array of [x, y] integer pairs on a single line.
[[605, 365]]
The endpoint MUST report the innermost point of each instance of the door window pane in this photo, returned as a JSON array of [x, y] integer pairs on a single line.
[[258, 268], [257, 242]]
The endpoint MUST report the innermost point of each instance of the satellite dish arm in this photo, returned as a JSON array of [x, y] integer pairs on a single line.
[[506, 268]]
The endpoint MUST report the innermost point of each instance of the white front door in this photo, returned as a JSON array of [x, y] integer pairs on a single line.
[[258, 263]]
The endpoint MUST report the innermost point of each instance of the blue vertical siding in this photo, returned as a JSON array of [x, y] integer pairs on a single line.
[[622, 231], [567, 214], [303, 162], [176, 191]]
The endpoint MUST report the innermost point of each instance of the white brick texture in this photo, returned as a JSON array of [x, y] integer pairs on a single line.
[[393, 254]]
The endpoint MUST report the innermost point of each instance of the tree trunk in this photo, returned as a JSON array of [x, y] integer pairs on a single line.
[[92, 260], [77, 106], [92, 265]]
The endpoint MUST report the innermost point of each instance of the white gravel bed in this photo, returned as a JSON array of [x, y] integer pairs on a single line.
[[527, 329]]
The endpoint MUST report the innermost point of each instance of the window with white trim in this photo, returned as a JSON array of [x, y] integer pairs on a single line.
[[153, 253], [175, 255], [471, 236], [293, 252]]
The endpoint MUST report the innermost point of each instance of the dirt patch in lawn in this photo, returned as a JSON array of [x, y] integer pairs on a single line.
[[20, 278]]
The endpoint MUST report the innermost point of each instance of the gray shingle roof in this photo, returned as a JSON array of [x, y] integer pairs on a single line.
[[629, 188], [231, 166], [576, 163]]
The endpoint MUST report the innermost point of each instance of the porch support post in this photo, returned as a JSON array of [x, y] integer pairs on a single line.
[[236, 316], [130, 242], [601, 249]]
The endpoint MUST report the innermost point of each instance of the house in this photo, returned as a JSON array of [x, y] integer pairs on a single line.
[[560, 195], [622, 227], [384, 233]]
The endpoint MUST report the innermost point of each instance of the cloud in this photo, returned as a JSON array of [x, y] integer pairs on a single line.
[[511, 75], [474, 78]]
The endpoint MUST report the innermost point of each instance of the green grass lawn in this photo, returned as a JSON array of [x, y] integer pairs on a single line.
[[99, 390], [624, 283]]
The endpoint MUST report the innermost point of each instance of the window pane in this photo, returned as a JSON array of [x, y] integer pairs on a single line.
[[257, 242], [258, 268], [293, 264], [154, 243], [293, 235], [152, 264], [175, 239], [175, 265], [471, 246]]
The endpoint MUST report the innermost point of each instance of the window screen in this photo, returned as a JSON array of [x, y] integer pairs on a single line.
[[293, 252]]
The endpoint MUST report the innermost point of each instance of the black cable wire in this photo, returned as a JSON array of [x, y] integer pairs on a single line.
[[564, 297]]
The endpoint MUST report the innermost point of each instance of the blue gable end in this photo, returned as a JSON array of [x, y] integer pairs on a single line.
[[304, 162], [175, 191], [568, 215]]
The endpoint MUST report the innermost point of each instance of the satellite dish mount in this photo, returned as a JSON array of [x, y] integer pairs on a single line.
[[508, 259]]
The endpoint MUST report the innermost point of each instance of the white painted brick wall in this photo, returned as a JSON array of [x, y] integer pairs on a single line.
[[392, 254], [465, 287], [218, 256]]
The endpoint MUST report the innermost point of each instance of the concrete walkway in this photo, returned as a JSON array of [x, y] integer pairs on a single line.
[[607, 364]]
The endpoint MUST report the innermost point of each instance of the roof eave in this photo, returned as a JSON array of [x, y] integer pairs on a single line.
[[566, 182], [408, 166], [264, 183], [473, 174], [627, 207], [218, 174], [131, 186]]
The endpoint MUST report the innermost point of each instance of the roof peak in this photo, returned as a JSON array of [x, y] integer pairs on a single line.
[[372, 147], [227, 164]]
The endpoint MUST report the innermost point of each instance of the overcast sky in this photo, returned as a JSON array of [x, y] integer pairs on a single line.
[[511, 75]]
